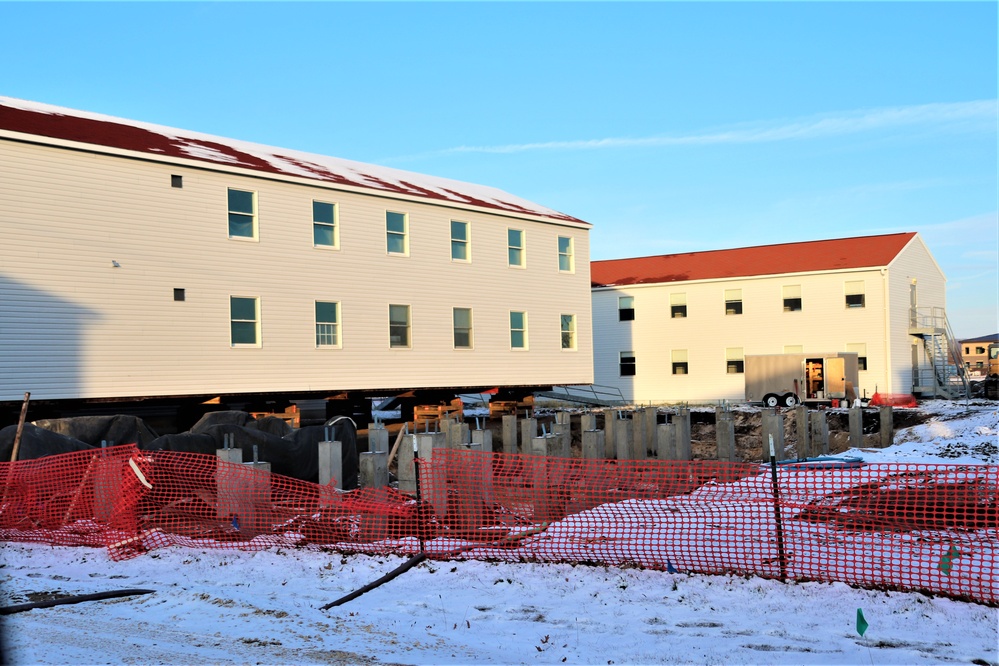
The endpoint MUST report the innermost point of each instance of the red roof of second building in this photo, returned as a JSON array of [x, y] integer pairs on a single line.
[[824, 255]]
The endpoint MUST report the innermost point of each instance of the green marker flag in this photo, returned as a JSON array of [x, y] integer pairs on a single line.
[[947, 559], [861, 622]]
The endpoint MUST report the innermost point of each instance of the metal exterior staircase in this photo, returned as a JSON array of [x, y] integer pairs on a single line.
[[944, 374]]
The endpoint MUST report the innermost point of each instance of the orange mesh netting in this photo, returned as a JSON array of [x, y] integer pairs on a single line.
[[927, 527]]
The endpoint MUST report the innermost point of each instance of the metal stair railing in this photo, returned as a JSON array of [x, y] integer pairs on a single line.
[[950, 377], [590, 394]]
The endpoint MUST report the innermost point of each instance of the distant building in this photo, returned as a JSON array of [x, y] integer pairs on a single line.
[[142, 261], [678, 327], [975, 353]]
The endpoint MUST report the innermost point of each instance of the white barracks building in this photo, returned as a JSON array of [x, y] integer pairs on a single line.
[[677, 328], [142, 261]]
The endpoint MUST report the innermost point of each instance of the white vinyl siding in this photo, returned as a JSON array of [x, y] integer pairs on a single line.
[[80, 327]]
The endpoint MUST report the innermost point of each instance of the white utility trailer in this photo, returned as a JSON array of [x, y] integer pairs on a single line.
[[787, 380]]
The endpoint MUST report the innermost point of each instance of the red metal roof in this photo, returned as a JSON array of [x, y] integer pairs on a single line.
[[80, 126], [824, 255]]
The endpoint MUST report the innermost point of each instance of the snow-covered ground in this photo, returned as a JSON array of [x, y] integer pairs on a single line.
[[264, 607]]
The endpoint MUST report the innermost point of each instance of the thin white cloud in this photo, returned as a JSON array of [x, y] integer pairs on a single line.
[[978, 116]]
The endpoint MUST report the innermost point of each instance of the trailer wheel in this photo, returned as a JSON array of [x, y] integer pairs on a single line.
[[789, 400], [770, 400]]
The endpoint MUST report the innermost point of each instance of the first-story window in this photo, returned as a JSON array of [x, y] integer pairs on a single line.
[[460, 241], [518, 330], [244, 321], [462, 320], [626, 308], [242, 214], [734, 361], [678, 306], [627, 363], [327, 324], [565, 259], [396, 233], [515, 247], [568, 331], [854, 294], [733, 301], [399, 325], [792, 297], [324, 228], [679, 357], [860, 349]]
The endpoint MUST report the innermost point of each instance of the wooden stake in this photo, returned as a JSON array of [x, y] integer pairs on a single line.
[[395, 447], [20, 427]]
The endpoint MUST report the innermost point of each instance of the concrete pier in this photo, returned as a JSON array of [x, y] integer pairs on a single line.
[[887, 425], [725, 437], [856, 420], [803, 431], [623, 440], [373, 469], [510, 433], [819, 432], [331, 463], [593, 445], [773, 426]]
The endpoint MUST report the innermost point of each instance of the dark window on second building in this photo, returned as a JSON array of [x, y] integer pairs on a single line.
[[626, 308], [627, 364]]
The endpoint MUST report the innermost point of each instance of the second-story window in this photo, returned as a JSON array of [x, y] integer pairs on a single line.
[[734, 361], [854, 294], [678, 306], [515, 247], [460, 242], [324, 227], [733, 301], [792, 297], [626, 363], [566, 263], [242, 214], [626, 308], [397, 233]]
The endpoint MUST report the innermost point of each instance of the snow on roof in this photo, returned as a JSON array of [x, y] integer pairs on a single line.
[[824, 255], [56, 122]]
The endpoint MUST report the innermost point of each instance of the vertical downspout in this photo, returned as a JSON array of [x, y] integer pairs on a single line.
[[889, 364]]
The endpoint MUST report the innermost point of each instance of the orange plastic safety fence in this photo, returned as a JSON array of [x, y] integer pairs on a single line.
[[932, 528]]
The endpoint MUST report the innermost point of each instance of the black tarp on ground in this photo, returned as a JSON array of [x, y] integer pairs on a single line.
[[117, 429], [295, 454], [37, 443]]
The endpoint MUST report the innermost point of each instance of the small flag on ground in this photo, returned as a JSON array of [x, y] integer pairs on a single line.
[[669, 567], [861, 622], [947, 559]]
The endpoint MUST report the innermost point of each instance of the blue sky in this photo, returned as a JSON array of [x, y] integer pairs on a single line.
[[671, 127]]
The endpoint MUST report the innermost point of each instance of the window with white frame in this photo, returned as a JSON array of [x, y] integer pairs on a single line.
[[327, 324], [568, 331], [461, 243], [399, 325], [518, 330], [324, 226], [733, 301], [794, 349], [627, 364], [566, 264], [792, 297], [242, 214], [397, 233], [244, 321], [860, 349], [854, 294], [462, 322], [678, 306], [626, 308], [735, 362], [679, 359], [515, 247]]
